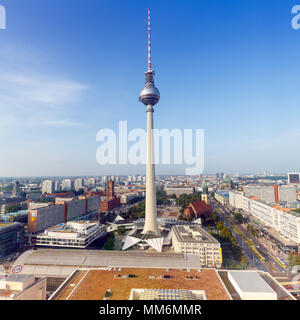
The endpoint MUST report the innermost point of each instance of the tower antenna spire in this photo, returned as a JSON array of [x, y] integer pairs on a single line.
[[149, 40]]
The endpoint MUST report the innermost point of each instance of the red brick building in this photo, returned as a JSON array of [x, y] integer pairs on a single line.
[[111, 201], [197, 209]]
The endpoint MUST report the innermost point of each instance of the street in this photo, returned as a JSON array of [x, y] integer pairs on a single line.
[[259, 257]]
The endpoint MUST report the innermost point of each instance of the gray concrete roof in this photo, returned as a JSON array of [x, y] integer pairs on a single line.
[[61, 262], [251, 282]]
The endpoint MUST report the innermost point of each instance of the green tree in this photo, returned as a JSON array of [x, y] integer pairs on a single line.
[[220, 226], [12, 208], [121, 230], [109, 245], [226, 233], [215, 217], [238, 217], [244, 262]]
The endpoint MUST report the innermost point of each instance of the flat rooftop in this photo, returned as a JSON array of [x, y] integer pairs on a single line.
[[250, 282], [16, 277], [62, 262], [193, 234], [94, 283], [282, 293]]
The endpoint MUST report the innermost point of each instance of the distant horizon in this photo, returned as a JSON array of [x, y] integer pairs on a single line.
[[158, 175]]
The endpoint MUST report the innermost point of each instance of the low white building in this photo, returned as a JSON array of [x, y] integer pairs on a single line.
[[251, 286], [73, 234]]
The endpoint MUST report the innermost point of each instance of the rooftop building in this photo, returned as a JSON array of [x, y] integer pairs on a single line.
[[251, 286], [22, 287]]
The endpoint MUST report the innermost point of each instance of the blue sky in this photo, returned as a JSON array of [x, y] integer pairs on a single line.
[[70, 68]]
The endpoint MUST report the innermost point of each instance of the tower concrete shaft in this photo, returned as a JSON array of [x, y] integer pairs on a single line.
[[150, 96], [151, 224]]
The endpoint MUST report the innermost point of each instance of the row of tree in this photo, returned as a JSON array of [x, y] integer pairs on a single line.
[[229, 245]]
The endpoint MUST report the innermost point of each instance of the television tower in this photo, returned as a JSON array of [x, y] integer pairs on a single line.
[[149, 96]]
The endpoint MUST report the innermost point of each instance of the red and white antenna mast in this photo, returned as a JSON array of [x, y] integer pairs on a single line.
[[149, 40]]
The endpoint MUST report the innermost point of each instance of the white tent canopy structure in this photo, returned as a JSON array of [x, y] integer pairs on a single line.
[[155, 242]]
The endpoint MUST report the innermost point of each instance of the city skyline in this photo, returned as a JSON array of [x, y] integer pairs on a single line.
[[52, 106]]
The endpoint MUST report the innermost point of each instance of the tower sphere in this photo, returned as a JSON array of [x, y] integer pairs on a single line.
[[150, 94]]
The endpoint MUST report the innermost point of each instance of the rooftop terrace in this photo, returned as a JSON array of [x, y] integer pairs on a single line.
[[119, 282]]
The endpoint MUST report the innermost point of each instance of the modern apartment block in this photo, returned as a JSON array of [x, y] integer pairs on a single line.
[[44, 215], [78, 184], [194, 240], [272, 194], [283, 220], [48, 186], [67, 185], [73, 207]]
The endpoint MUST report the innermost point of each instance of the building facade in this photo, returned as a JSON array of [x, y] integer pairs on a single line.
[[73, 234], [194, 240], [283, 220], [44, 215], [222, 197], [11, 238]]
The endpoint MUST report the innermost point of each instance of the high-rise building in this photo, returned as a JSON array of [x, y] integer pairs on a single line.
[[104, 179], [48, 186], [11, 238], [78, 184], [67, 184], [91, 182], [16, 190], [294, 178]]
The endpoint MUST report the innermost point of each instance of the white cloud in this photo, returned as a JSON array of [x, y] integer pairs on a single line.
[[29, 100], [23, 90], [62, 123]]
